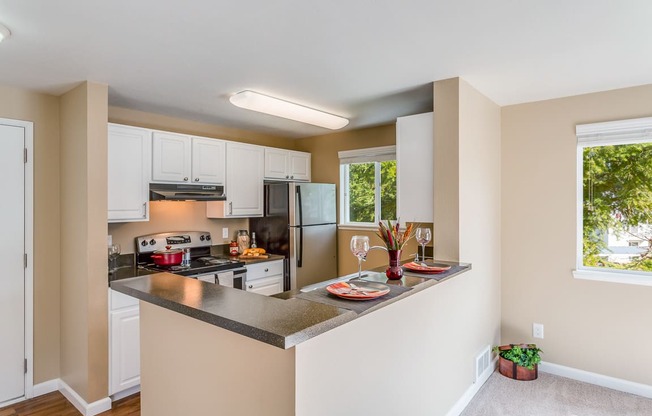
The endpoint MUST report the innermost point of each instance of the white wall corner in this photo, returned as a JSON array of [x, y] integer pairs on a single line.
[[470, 393], [613, 383], [86, 409]]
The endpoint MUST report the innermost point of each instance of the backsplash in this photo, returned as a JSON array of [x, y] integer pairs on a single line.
[[172, 216]]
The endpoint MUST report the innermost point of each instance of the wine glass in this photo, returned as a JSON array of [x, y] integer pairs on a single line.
[[114, 252], [423, 236], [360, 248]]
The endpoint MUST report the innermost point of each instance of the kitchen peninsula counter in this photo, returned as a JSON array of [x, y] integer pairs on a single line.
[[207, 349], [283, 320]]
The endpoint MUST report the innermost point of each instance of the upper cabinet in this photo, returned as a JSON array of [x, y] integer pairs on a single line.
[[208, 161], [129, 162], [184, 159], [287, 165], [414, 166], [244, 183]]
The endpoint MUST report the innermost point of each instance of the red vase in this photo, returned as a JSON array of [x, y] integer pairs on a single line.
[[394, 271]]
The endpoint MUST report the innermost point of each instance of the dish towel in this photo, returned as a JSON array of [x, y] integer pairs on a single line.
[[225, 279]]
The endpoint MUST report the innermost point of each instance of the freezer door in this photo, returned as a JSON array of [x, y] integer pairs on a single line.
[[313, 254], [312, 203]]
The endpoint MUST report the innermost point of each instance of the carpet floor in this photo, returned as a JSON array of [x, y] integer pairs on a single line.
[[552, 395]]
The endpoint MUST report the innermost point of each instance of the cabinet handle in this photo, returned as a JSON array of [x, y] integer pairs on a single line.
[[230, 207], [185, 179], [251, 286], [145, 210], [266, 270], [292, 177], [287, 176], [196, 179]]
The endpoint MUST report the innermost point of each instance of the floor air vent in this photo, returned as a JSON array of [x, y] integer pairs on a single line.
[[482, 362]]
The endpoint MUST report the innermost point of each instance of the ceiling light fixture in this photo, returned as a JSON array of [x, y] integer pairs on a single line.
[[254, 101], [4, 32]]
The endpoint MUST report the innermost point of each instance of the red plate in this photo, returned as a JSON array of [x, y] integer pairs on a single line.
[[358, 290], [418, 268]]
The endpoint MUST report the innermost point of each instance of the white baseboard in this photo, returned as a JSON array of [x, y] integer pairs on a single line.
[[597, 379], [125, 393], [470, 393], [45, 387]]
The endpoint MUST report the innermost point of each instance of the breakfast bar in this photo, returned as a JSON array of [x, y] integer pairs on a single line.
[[293, 353]]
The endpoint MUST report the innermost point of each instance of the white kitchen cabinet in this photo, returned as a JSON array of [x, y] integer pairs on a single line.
[[244, 183], [265, 278], [415, 167], [184, 159], [287, 164], [129, 167], [171, 157], [208, 161], [124, 342]]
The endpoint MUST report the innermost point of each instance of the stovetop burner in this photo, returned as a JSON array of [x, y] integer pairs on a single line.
[[205, 264]]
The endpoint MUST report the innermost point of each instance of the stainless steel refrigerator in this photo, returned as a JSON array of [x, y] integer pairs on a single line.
[[300, 224]]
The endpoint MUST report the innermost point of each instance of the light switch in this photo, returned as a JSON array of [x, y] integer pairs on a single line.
[[225, 232]]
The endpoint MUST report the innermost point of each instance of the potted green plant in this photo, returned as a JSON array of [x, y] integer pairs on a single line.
[[519, 361]]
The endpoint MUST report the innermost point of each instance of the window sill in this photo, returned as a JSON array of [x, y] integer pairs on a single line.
[[614, 277], [357, 227]]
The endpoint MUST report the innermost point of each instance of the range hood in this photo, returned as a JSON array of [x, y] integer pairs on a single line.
[[184, 192]]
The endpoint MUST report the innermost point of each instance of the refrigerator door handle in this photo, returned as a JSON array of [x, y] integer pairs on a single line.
[[300, 206], [300, 256]]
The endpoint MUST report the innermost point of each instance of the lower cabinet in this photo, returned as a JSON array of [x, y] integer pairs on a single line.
[[124, 342], [265, 278]]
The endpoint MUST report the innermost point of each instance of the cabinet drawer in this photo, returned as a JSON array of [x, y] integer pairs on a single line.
[[264, 269], [119, 300]]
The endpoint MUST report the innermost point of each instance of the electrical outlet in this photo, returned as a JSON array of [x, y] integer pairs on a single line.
[[225, 232], [537, 330]]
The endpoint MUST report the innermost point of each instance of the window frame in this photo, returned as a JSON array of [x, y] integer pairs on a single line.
[[374, 155], [605, 134]]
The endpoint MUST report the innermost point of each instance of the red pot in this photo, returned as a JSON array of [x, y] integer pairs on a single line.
[[168, 257]]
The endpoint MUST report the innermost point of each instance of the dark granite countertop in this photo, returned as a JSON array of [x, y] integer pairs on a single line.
[[282, 320]]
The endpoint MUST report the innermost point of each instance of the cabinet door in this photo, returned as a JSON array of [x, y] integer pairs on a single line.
[[299, 166], [276, 163], [244, 180], [264, 269], [208, 161], [171, 157], [414, 168], [267, 286], [125, 349], [129, 161]]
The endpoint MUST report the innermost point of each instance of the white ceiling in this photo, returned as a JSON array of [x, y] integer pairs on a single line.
[[368, 60]]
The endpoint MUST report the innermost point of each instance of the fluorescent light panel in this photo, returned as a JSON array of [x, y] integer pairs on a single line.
[[254, 101], [4, 32]]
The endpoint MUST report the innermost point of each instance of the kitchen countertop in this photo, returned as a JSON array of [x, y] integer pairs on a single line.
[[282, 320], [129, 270]]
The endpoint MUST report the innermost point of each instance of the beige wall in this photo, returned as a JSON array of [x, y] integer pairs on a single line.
[[84, 334], [180, 125], [468, 179], [43, 111], [326, 169], [175, 216], [588, 324]]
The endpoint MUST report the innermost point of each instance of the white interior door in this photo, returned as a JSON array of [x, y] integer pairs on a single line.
[[12, 250]]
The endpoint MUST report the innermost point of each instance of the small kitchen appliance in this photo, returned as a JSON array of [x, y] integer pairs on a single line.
[[201, 265]]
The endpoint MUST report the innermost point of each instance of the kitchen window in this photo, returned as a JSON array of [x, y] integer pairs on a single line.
[[614, 201], [367, 186]]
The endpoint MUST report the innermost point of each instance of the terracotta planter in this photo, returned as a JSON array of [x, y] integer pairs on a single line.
[[512, 370]]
